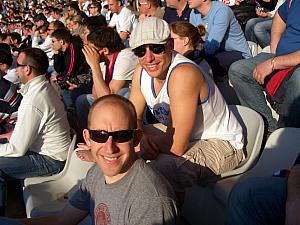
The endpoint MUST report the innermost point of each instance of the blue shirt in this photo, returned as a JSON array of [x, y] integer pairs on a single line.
[[290, 39], [171, 14], [223, 31]]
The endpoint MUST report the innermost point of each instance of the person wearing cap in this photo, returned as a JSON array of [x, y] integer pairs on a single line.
[[197, 135], [120, 188]]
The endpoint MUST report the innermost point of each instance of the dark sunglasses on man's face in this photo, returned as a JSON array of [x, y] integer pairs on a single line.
[[119, 136], [154, 48]]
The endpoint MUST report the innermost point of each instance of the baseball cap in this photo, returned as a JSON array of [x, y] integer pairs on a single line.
[[150, 30]]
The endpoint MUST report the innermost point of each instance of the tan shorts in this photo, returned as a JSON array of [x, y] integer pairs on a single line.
[[205, 158]]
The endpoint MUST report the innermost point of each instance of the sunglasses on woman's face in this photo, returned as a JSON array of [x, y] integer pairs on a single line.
[[154, 48], [120, 136]]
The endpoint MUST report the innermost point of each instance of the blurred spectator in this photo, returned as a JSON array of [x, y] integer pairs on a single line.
[[112, 68], [150, 8], [10, 99], [225, 42], [250, 76], [123, 19], [258, 30], [69, 62], [177, 10], [40, 140]]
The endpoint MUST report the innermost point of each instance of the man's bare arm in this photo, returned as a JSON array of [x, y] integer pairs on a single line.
[[278, 27], [136, 96], [186, 87]]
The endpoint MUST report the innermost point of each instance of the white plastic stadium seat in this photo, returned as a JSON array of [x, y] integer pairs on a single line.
[[51, 196], [253, 130], [280, 152], [36, 180]]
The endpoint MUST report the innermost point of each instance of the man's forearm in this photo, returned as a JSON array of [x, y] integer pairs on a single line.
[[286, 61], [100, 86]]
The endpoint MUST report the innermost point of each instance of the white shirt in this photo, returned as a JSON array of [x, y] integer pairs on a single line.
[[125, 21], [46, 46], [42, 124]]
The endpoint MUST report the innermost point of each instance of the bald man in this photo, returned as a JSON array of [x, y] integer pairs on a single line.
[[119, 188]]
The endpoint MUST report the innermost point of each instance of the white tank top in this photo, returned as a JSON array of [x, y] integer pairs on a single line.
[[214, 115]]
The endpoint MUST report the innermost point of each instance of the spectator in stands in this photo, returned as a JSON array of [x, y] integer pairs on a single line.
[[94, 9], [266, 200], [197, 135], [39, 21], [249, 76], [26, 38], [150, 8], [16, 40], [177, 10], [188, 42], [225, 42], [55, 25], [76, 25], [123, 19], [9, 97], [258, 30], [73, 10], [91, 24], [40, 140], [244, 10], [57, 15], [119, 188], [69, 62], [10, 73], [41, 33], [112, 68]]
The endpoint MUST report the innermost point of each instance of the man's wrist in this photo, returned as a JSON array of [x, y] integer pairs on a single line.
[[273, 63]]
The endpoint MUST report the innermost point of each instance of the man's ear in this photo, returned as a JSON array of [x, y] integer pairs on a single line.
[[138, 134], [86, 136], [105, 51]]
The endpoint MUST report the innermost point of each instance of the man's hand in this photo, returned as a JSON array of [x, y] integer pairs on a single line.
[[262, 70], [36, 33], [263, 14], [84, 153], [148, 149], [238, 2], [72, 86], [7, 135], [92, 56]]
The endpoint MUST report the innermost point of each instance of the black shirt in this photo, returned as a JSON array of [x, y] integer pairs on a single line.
[[171, 14]]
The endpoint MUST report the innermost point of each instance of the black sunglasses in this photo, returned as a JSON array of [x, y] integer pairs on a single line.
[[119, 136], [22, 65], [155, 48]]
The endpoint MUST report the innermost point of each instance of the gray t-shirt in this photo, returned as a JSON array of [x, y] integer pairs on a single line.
[[143, 196]]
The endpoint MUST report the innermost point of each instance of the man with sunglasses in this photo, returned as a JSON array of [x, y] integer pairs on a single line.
[[197, 135], [40, 140], [119, 188]]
